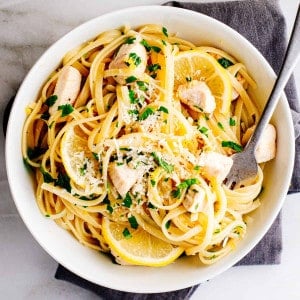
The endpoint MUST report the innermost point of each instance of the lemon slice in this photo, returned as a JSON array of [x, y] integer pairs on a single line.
[[137, 246], [79, 161], [198, 65]]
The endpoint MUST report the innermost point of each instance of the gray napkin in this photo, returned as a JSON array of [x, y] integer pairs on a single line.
[[262, 23]]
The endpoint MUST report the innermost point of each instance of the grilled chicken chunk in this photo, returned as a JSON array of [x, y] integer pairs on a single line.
[[215, 165], [122, 177], [67, 87], [197, 95], [133, 58]]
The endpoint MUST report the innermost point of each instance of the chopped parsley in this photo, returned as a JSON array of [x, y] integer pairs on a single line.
[[224, 62], [133, 112], [155, 49], [125, 149], [165, 31], [196, 168], [146, 113], [143, 86], [168, 167], [35, 152], [47, 216], [164, 42], [127, 200], [203, 130], [66, 109], [131, 79], [150, 205], [130, 40], [135, 58], [109, 208], [45, 116], [96, 155], [153, 182], [63, 181], [133, 222], [154, 67], [163, 109], [234, 146], [46, 176], [220, 125], [146, 45], [232, 122], [184, 185], [132, 98], [51, 100], [168, 224], [126, 233], [82, 170]]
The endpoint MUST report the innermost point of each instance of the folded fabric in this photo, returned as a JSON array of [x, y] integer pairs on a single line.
[[262, 23]]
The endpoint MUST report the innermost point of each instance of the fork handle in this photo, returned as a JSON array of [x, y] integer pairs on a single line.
[[290, 60]]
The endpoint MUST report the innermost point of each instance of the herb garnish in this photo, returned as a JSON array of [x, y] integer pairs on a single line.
[[163, 109], [133, 222], [127, 200], [126, 233], [169, 168], [66, 109], [146, 113], [184, 185], [51, 100], [165, 31], [224, 62], [131, 79], [130, 40], [230, 144], [232, 122]]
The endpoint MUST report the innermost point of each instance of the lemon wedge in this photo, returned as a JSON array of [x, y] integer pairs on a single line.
[[79, 161], [137, 246], [198, 65]]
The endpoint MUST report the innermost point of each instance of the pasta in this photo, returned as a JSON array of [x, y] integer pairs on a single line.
[[131, 147]]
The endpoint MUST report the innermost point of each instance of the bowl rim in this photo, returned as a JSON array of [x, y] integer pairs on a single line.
[[10, 161]]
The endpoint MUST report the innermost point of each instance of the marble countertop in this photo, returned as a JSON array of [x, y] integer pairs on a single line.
[[27, 28]]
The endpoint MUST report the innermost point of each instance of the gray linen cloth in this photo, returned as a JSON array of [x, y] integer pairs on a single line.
[[262, 23]]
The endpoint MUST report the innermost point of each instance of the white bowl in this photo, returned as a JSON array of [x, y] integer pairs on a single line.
[[185, 272]]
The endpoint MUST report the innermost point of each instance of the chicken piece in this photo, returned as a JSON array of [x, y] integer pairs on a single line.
[[132, 57], [67, 88], [266, 148], [197, 95], [122, 177], [215, 165], [194, 200]]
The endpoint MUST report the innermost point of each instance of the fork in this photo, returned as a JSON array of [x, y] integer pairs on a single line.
[[244, 163]]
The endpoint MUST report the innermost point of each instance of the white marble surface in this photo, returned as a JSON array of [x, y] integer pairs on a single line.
[[27, 28]]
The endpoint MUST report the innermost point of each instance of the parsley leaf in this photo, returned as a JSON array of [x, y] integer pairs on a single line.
[[232, 122], [169, 168], [126, 233], [230, 144], [66, 109], [165, 31], [63, 181], [131, 79], [130, 40], [46, 176], [135, 58], [184, 185], [163, 109], [224, 62], [146, 113], [154, 67], [133, 222], [127, 200], [51, 100]]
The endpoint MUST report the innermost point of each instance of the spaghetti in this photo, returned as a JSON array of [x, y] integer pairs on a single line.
[[130, 148]]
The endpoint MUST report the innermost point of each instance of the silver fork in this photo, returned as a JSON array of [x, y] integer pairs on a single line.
[[244, 163]]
